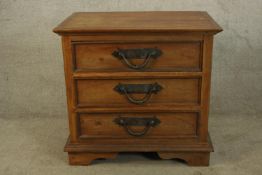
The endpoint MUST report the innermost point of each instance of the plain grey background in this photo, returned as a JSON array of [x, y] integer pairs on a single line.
[[31, 76], [32, 91]]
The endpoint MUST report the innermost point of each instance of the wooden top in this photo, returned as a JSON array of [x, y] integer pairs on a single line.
[[165, 21]]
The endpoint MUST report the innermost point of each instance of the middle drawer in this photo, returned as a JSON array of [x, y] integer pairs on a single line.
[[127, 92]]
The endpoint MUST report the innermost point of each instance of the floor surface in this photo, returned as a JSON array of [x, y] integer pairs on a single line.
[[34, 146]]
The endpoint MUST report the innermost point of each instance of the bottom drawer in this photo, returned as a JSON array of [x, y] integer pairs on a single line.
[[142, 125]]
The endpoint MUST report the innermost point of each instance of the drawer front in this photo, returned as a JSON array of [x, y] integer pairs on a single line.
[[169, 56], [167, 125], [122, 92]]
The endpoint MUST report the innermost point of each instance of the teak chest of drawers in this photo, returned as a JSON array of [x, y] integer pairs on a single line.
[[138, 81]]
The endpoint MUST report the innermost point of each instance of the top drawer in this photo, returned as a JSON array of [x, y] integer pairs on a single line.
[[164, 56]]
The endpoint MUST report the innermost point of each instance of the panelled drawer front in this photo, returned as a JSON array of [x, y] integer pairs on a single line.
[[171, 125], [175, 56], [106, 93]]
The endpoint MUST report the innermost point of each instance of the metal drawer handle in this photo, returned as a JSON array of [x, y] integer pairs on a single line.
[[141, 53], [147, 89], [147, 122]]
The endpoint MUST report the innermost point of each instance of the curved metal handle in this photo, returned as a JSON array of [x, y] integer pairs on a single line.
[[141, 53], [135, 133], [139, 101], [126, 122], [147, 89]]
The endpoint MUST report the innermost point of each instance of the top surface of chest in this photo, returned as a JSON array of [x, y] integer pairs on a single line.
[[183, 21]]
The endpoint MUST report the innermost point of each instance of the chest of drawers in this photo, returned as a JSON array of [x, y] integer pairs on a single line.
[[138, 82]]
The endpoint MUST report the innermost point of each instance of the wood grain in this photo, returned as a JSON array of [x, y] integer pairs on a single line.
[[192, 159], [93, 93], [174, 21], [172, 125], [205, 87], [87, 158], [175, 56], [184, 144], [69, 87], [183, 70]]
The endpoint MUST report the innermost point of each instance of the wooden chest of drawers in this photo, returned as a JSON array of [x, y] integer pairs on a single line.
[[138, 81]]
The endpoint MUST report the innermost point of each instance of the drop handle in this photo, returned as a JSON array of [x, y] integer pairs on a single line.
[[139, 53], [127, 122], [147, 89]]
